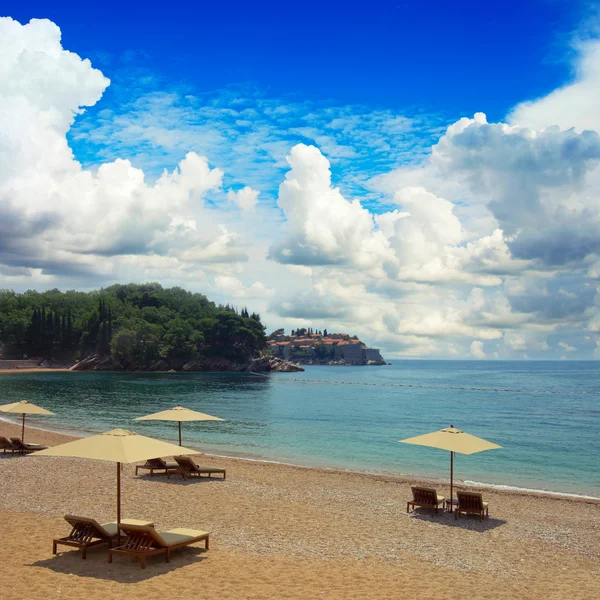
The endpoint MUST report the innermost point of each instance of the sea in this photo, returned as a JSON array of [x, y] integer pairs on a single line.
[[545, 415]]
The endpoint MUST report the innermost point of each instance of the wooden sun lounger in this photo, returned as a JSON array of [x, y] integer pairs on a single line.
[[188, 468], [7, 446], [471, 503], [425, 498], [24, 448], [158, 465], [85, 533], [143, 541]]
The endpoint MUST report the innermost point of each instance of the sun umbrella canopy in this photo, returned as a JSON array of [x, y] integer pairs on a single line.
[[453, 440], [24, 407], [178, 413], [118, 445]]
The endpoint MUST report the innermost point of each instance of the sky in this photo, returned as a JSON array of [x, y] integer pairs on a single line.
[[421, 174]]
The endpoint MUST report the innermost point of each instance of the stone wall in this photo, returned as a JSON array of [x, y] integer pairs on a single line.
[[18, 364]]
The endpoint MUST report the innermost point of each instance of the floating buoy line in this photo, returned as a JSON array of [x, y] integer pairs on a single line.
[[441, 387]]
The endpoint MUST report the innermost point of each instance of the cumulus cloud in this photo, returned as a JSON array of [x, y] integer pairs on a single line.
[[64, 219], [246, 198], [323, 227], [476, 349], [533, 182]]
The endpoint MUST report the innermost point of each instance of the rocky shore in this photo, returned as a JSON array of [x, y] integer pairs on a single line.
[[263, 363]]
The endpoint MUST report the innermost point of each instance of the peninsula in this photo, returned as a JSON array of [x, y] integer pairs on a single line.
[[306, 346], [133, 327]]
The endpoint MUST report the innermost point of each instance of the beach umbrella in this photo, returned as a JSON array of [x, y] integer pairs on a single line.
[[24, 407], [118, 445], [453, 440], [179, 414]]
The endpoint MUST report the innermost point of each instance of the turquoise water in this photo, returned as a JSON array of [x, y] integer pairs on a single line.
[[352, 417]]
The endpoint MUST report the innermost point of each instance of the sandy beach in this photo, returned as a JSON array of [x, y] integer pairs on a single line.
[[34, 370], [289, 532]]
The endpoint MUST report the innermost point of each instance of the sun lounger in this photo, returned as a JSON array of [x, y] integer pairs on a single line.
[[156, 464], [144, 541], [471, 503], [188, 468], [85, 533], [7, 446], [425, 498], [24, 448]]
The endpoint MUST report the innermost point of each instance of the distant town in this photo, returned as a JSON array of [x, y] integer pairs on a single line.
[[305, 346]]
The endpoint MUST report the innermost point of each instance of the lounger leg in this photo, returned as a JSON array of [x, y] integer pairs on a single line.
[[109, 556], [143, 558], [53, 547], [407, 507], [206, 543], [83, 552]]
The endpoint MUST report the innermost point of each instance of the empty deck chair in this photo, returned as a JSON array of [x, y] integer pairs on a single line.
[[188, 468], [86, 532], [158, 465], [425, 498], [471, 503], [24, 448], [143, 541], [7, 446]]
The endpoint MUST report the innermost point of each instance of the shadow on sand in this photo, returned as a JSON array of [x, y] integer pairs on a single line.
[[470, 522], [123, 569], [178, 480]]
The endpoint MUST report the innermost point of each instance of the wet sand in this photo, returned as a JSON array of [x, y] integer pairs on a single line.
[[279, 531]]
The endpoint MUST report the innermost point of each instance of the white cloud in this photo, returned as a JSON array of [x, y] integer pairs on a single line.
[[246, 198], [572, 105], [323, 228], [476, 349], [62, 218]]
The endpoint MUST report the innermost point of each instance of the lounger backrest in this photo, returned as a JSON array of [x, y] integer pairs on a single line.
[[18, 441], [424, 495], [156, 463], [142, 537], [85, 523], [4, 443], [470, 500], [186, 463]]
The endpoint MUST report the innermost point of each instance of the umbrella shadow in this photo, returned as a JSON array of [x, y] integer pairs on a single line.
[[7, 455], [189, 480], [467, 522], [123, 569]]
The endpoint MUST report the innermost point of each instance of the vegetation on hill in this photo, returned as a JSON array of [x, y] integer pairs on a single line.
[[139, 324]]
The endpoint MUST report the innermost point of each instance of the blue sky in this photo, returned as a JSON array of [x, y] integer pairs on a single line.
[[438, 56], [424, 174]]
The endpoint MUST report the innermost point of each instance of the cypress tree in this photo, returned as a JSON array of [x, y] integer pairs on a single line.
[[69, 337]]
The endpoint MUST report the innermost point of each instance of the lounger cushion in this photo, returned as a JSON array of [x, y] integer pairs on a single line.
[[177, 536], [110, 528], [210, 469]]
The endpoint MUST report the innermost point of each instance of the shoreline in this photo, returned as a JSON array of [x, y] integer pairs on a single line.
[[415, 479]]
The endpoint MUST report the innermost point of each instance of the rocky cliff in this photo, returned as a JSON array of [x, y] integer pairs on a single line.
[[263, 363]]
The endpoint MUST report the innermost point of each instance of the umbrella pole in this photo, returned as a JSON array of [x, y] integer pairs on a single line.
[[118, 503], [451, 478], [179, 422], [23, 429]]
